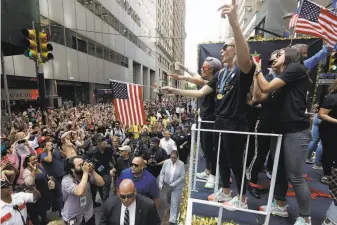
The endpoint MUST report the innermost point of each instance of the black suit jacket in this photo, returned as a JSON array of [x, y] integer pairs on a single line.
[[146, 212]]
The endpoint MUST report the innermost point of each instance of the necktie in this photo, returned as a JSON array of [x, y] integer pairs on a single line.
[[126, 217]]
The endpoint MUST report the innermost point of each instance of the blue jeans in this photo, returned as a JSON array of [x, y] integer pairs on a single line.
[[315, 139], [319, 153]]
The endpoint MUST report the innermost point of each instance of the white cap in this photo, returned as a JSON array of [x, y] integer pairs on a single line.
[[125, 148]]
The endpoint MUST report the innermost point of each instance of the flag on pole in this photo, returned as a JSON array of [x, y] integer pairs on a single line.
[[128, 102], [293, 20], [317, 21]]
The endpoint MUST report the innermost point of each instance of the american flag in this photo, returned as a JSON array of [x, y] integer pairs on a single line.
[[317, 21], [293, 19], [128, 102]]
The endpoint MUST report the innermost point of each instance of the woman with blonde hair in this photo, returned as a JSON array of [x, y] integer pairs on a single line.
[[328, 131]]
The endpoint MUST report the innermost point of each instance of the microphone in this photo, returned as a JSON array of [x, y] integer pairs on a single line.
[[16, 207]]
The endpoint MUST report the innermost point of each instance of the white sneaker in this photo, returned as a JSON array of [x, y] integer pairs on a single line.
[[235, 203], [301, 221], [317, 167], [220, 196], [210, 182], [327, 222], [275, 210], [203, 175]]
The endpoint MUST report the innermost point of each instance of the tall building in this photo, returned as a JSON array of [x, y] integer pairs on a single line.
[[171, 36], [98, 40], [267, 17]]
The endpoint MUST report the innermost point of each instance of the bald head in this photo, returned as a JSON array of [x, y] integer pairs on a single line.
[[19, 136], [138, 160], [127, 186]]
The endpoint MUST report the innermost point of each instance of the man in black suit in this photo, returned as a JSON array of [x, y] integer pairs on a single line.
[[129, 208]]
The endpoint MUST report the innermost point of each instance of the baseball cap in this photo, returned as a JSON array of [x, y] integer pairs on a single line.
[[125, 148]]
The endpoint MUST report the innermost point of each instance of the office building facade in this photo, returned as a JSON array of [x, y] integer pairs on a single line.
[[96, 41]]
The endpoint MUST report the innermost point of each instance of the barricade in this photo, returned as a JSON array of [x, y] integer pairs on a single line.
[[194, 166]]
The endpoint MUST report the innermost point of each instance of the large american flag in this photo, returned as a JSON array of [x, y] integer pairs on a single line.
[[293, 19], [128, 102], [317, 21]]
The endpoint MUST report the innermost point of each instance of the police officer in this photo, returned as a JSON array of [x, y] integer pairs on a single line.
[[155, 157], [181, 140]]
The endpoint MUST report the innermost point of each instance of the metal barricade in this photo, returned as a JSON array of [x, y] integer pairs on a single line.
[[194, 166]]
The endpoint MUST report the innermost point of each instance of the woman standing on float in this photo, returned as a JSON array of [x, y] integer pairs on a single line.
[[231, 86], [210, 67]]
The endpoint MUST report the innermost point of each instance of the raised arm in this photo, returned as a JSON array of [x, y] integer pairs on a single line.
[[194, 79], [189, 93], [241, 46]]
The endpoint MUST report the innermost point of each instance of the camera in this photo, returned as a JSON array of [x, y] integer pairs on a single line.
[[154, 161]]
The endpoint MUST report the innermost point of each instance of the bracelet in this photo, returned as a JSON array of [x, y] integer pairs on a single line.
[[257, 72]]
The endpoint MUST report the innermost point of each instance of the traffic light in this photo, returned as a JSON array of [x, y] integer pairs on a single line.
[[333, 62], [30, 43], [45, 48]]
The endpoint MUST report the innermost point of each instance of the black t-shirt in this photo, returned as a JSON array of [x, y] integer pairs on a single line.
[[103, 161], [271, 106], [233, 105], [207, 106], [330, 102], [294, 105]]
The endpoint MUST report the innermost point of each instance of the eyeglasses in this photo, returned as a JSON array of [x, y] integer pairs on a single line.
[[128, 196], [135, 165], [174, 158], [225, 46]]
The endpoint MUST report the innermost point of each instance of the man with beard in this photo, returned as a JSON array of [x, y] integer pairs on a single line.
[[76, 192], [13, 205], [145, 183], [155, 157], [52, 161]]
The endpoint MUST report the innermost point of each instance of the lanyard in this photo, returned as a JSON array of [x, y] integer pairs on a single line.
[[226, 76]]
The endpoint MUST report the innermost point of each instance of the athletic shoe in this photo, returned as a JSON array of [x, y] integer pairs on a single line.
[[276, 210], [301, 221], [219, 196], [327, 222], [268, 174], [317, 167], [203, 175], [235, 203], [210, 182], [310, 161]]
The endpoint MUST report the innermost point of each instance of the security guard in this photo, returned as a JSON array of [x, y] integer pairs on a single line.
[[181, 140], [154, 158]]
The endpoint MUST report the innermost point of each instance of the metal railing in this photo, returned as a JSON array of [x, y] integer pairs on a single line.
[[194, 166]]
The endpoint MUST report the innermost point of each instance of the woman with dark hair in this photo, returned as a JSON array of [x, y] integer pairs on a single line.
[[35, 174], [294, 125], [328, 131], [209, 68], [172, 179]]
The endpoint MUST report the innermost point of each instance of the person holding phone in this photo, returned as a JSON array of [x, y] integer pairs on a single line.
[[78, 203]]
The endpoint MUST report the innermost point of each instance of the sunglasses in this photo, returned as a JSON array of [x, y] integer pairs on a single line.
[[21, 141], [272, 61], [225, 46], [128, 196], [135, 165]]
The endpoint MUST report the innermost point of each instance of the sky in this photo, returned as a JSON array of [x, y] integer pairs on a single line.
[[203, 24]]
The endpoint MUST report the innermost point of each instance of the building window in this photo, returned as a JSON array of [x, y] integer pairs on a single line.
[[57, 33], [91, 47], [106, 54], [81, 43], [112, 56], [45, 27], [71, 39], [99, 51]]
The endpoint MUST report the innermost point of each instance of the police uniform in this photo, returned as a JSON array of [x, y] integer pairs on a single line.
[[11, 216]]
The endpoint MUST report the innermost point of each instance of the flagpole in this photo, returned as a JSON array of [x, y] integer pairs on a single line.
[[124, 82]]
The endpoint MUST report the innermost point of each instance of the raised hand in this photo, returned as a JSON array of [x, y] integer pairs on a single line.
[[176, 76], [229, 11], [167, 89]]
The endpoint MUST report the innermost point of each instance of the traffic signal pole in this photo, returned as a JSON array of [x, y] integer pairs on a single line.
[[6, 88], [40, 77]]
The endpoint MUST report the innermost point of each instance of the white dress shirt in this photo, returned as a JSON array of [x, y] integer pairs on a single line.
[[168, 146], [173, 170], [132, 213], [8, 215]]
